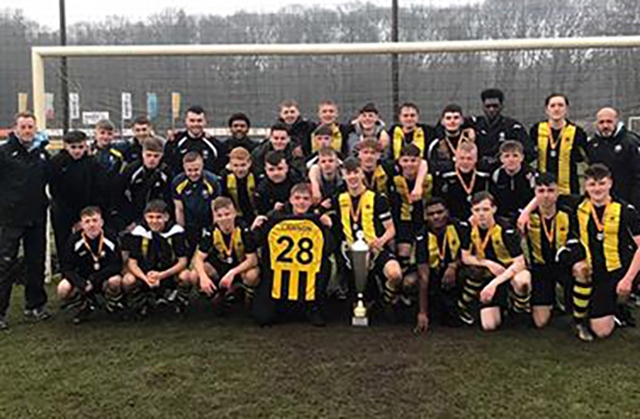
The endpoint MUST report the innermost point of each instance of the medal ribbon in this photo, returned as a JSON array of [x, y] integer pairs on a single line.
[[95, 257], [468, 189]]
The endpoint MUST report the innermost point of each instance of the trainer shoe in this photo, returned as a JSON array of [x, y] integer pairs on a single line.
[[466, 318], [4, 325], [583, 333], [37, 314]]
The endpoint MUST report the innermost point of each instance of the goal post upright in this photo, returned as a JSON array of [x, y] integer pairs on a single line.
[[483, 45]]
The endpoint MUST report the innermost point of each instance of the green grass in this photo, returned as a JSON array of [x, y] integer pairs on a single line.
[[209, 367]]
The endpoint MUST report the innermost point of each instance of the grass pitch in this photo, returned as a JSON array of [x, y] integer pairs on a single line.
[[210, 367]]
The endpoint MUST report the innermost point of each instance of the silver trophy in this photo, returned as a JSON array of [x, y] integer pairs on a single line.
[[360, 264]]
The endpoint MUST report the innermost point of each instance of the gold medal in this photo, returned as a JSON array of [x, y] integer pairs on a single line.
[[94, 256], [468, 188], [598, 221]]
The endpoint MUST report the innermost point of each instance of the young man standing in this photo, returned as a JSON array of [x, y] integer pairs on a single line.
[[458, 186], [238, 182], [512, 183], [560, 144], [144, 181], [194, 138], [409, 131], [77, 181], [193, 193]]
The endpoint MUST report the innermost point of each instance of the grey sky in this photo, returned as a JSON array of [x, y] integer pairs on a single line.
[[45, 12]]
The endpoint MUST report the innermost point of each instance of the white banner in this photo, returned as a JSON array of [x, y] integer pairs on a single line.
[[74, 106], [92, 118], [127, 108]]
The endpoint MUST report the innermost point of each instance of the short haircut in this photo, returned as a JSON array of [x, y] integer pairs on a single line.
[[436, 200], [25, 114], [323, 130], [154, 144], [468, 147], [410, 150], [371, 143], [327, 102], [222, 202], [157, 206], [74, 137], [274, 157], [279, 126], [289, 103], [239, 116], [597, 171], [369, 107], [327, 151], [239, 153], [512, 146], [478, 197], [300, 188], [90, 211], [351, 164], [105, 125], [552, 95], [142, 120], [197, 109], [192, 156], [492, 93], [451, 108], [546, 179], [410, 105]]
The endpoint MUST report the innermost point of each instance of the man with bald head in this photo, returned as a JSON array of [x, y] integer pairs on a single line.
[[619, 149]]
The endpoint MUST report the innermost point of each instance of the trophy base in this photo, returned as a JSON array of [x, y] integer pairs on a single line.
[[360, 321]]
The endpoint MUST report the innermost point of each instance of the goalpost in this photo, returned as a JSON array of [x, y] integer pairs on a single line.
[[38, 54], [429, 48]]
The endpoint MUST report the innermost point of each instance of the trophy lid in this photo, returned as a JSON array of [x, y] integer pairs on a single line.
[[360, 245]]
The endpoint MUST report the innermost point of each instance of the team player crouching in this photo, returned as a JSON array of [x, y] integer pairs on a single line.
[[226, 260], [156, 269], [495, 268], [604, 254], [91, 266]]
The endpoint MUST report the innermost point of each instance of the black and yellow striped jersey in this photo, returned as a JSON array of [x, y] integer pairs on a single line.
[[545, 236], [294, 256], [499, 244], [230, 249], [607, 233], [439, 249], [365, 213]]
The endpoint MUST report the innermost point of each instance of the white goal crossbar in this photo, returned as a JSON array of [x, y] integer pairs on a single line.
[[39, 53]]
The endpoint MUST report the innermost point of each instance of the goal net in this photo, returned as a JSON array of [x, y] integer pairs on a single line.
[[160, 81]]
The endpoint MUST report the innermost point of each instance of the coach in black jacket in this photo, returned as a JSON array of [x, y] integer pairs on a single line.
[[24, 172], [619, 149]]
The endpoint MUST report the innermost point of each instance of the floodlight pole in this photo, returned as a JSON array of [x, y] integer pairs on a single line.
[[395, 67], [63, 69]]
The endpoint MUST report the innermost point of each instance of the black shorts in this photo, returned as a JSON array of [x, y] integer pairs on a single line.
[[543, 282], [221, 269], [475, 277], [604, 299], [406, 232]]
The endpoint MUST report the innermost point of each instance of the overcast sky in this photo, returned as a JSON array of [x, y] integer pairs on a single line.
[[45, 12]]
